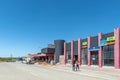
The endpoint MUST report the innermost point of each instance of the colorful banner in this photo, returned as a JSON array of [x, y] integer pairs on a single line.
[[103, 42], [112, 38], [96, 48], [84, 43], [111, 43], [84, 46]]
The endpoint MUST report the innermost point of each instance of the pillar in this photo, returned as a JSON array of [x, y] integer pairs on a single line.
[[89, 55], [117, 48], [65, 53], [79, 51], [100, 51], [72, 52]]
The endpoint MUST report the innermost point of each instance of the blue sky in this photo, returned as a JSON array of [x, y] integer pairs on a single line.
[[26, 26]]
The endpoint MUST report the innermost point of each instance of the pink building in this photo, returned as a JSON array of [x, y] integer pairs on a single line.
[[101, 50]]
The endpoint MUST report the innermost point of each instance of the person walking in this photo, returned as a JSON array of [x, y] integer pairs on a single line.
[[76, 66]]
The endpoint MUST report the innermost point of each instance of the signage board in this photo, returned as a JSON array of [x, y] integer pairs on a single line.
[[96, 48], [84, 46], [103, 42], [111, 43], [84, 43], [112, 38]]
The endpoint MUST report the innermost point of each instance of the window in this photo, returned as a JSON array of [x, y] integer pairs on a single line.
[[84, 56], [68, 56], [108, 55]]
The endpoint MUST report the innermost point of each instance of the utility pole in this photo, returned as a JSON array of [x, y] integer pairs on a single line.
[[11, 57]]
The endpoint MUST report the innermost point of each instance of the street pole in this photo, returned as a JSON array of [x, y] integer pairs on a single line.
[[11, 57]]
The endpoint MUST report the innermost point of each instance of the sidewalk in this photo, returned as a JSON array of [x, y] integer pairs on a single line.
[[103, 73]]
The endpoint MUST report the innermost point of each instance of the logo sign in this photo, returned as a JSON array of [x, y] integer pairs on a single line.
[[84, 46], [112, 38], [103, 42], [84, 43], [94, 48], [111, 43]]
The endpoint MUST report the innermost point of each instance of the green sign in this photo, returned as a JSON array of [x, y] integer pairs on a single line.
[[112, 38], [84, 43]]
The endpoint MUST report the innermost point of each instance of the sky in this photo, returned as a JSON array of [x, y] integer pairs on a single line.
[[27, 26]]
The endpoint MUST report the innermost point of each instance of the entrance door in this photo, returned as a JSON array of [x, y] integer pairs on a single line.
[[94, 56]]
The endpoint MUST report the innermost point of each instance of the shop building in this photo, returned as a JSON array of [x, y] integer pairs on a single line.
[[101, 50], [51, 52]]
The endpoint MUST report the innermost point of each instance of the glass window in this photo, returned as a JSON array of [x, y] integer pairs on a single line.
[[84, 56], [68, 56], [108, 55]]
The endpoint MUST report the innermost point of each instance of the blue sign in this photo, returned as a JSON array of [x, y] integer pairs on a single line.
[[103, 42], [96, 48]]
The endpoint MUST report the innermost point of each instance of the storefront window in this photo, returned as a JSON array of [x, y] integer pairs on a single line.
[[94, 57], [69, 57], [108, 55], [84, 56]]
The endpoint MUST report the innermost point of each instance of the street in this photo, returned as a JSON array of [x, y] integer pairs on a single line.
[[19, 71]]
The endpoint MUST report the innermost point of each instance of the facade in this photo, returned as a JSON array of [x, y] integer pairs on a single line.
[[46, 54], [59, 49], [52, 52], [101, 50]]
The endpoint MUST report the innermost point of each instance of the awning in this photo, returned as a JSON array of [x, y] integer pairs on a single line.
[[40, 55]]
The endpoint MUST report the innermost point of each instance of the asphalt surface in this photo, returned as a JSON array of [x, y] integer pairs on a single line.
[[19, 71]]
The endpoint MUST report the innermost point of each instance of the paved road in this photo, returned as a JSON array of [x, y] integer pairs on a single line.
[[18, 71]]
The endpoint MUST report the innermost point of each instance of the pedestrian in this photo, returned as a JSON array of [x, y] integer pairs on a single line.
[[76, 66]]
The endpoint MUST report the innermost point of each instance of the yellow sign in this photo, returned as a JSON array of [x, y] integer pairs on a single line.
[[84, 43], [112, 38]]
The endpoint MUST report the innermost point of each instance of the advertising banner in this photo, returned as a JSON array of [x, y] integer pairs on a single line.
[[103, 42], [112, 38], [84, 43], [96, 48]]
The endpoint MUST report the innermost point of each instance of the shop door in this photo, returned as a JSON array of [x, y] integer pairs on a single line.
[[94, 56]]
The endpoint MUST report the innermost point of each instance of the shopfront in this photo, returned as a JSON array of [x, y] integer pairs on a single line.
[[84, 56], [101, 50], [108, 55], [84, 53], [94, 55], [68, 57], [108, 51]]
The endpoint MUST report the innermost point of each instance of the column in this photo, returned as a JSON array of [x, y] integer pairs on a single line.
[[79, 51], [72, 52], [89, 55], [65, 53], [117, 48], [100, 51]]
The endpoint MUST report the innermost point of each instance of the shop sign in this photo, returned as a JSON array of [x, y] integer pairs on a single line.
[[103, 42], [84, 43], [84, 46], [94, 48], [111, 43], [112, 38]]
